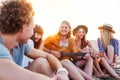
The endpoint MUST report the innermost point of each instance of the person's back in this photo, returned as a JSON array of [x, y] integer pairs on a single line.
[[109, 48]]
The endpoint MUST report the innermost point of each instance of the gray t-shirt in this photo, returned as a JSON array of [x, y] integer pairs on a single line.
[[17, 52]]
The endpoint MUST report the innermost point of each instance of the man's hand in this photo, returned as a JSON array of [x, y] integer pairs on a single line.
[[56, 53]]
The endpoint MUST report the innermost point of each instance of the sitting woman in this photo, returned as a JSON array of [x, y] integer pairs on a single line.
[[37, 37], [109, 48], [83, 45], [108, 45], [63, 42]]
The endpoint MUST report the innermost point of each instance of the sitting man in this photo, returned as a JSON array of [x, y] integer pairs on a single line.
[[16, 27], [63, 42]]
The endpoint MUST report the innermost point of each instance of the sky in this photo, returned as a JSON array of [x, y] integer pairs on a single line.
[[92, 13]]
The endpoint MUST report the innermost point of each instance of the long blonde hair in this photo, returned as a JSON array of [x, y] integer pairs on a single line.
[[106, 37]]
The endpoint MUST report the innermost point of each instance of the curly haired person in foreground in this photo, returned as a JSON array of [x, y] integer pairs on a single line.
[[16, 27]]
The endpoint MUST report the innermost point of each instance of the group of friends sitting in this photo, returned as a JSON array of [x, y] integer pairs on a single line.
[[77, 54], [60, 56]]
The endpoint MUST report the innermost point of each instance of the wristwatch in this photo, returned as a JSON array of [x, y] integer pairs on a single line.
[[62, 70]]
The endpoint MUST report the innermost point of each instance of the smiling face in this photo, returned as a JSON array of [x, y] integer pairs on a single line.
[[80, 33], [64, 29], [37, 37]]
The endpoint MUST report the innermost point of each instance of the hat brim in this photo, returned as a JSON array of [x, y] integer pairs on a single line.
[[78, 27], [101, 27]]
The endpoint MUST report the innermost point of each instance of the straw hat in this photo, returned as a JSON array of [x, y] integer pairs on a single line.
[[107, 27], [78, 27]]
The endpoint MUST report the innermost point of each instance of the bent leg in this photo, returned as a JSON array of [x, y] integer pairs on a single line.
[[85, 75], [110, 53], [73, 72], [109, 69], [97, 66], [89, 67], [41, 65], [115, 58], [98, 70]]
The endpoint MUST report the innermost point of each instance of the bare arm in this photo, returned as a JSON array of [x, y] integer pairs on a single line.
[[54, 62], [92, 49], [57, 54], [10, 71]]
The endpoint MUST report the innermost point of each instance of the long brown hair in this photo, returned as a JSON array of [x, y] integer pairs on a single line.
[[83, 40], [37, 29]]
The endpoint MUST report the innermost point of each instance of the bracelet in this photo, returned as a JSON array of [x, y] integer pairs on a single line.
[[62, 70]]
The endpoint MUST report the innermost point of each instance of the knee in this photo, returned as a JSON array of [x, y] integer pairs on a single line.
[[40, 61], [102, 59], [37, 64], [87, 56], [90, 60], [65, 62], [110, 47]]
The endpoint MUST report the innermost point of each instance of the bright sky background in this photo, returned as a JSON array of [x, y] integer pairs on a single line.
[[92, 13]]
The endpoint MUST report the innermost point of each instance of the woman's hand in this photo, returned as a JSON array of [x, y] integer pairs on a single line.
[[111, 64], [87, 56]]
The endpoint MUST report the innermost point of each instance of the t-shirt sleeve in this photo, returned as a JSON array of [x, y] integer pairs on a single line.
[[31, 43], [116, 46], [4, 52], [27, 48]]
